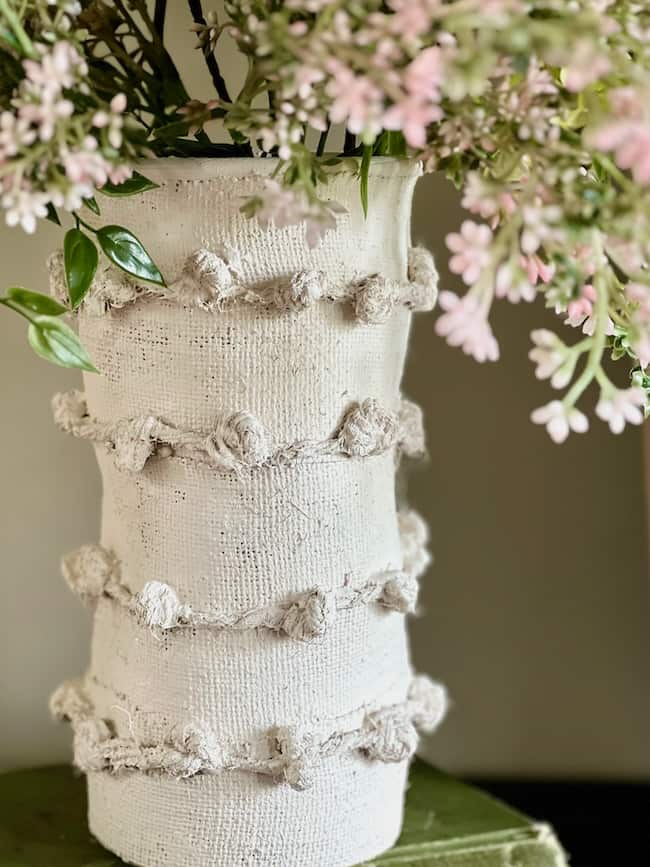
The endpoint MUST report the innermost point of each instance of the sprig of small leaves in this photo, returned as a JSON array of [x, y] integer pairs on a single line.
[[48, 335], [118, 244]]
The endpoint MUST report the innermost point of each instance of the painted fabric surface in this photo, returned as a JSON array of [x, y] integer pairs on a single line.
[[249, 698]]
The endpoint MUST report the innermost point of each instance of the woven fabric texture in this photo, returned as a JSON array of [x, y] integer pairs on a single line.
[[243, 538]]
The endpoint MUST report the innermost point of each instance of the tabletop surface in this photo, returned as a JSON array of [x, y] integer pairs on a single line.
[[447, 824]]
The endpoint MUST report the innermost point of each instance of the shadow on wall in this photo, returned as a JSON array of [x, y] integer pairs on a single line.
[[537, 609]]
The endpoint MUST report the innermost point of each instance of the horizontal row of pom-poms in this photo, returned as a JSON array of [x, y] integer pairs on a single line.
[[211, 281], [93, 573], [287, 754], [241, 440]]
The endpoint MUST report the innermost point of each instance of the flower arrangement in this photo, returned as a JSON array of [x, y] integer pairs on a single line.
[[538, 110]]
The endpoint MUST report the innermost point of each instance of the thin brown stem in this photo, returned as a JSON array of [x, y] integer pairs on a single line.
[[209, 55]]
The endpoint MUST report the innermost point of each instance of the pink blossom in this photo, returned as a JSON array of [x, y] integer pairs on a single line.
[[581, 308], [298, 28], [499, 8], [520, 284], [560, 420], [627, 254], [471, 248], [15, 132], [581, 312], [457, 135], [87, 167], [627, 134], [306, 78], [639, 294], [539, 226], [356, 101], [280, 205], [512, 284], [631, 142], [412, 18], [286, 207], [118, 174], [587, 65], [465, 324], [319, 220], [412, 116], [46, 114], [55, 70], [424, 75], [620, 406], [24, 207], [538, 82], [418, 108], [479, 198], [308, 5], [118, 103], [552, 358], [537, 270]]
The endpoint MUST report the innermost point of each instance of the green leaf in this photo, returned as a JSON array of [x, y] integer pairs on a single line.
[[137, 183], [91, 204], [52, 214], [125, 251], [35, 302], [80, 258], [365, 169], [54, 341], [391, 143]]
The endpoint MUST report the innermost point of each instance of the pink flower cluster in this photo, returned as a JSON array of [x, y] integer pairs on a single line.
[[281, 206], [627, 132], [59, 149], [418, 105], [465, 324]]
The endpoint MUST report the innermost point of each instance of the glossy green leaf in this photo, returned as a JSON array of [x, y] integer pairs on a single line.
[[125, 251], [91, 204], [54, 341], [137, 183], [80, 258], [35, 301]]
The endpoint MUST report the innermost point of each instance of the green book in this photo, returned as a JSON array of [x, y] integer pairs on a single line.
[[451, 824], [448, 824]]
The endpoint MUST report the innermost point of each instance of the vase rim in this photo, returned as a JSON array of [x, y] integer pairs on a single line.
[[207, 168]]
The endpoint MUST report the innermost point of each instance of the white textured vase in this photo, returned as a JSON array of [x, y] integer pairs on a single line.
[[249, 699]]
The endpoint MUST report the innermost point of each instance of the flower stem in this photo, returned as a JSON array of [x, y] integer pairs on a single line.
[[209, 55], [598, 341], [18, 30], [604, 381], [86, 225]]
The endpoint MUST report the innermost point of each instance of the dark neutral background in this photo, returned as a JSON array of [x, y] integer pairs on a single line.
[[537, 613]]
